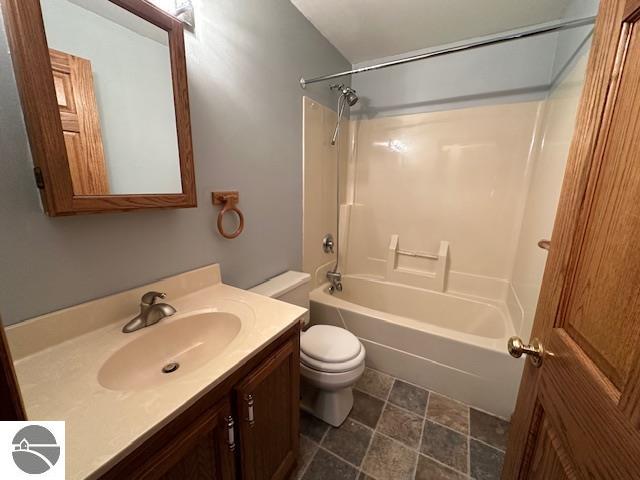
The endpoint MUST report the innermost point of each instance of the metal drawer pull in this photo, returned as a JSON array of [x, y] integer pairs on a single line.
[[231, 439], [250, 419]]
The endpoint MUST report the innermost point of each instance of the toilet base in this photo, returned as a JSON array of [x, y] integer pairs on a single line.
[[331, 407]]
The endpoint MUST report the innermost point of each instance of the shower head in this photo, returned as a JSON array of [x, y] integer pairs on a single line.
[[348, 93], [350, 96], [347, 96]]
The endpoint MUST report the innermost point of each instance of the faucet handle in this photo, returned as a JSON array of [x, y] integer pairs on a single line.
[[150, 297]]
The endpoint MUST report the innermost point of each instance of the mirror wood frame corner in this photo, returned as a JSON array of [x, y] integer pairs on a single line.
[[32, 65]]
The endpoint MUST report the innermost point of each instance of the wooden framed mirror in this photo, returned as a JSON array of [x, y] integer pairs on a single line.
[[103, 86]]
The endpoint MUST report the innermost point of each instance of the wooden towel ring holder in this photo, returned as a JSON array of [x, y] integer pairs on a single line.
[[228, 200]]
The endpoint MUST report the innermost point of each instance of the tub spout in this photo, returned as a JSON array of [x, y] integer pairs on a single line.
[[335, 279]]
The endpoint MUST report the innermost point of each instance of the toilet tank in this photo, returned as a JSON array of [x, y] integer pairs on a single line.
[[291, 287]]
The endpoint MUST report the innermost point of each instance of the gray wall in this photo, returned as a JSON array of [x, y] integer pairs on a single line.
[[244, 62], [521, 70], [575, 42]]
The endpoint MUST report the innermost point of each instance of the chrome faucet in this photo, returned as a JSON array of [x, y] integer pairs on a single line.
[[150, 312], [335, 279]]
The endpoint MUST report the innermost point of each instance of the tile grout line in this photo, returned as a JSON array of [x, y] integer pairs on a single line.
[[324, 435], [375, 430], [357, 469], [303, 471], [489, 413], [487, 444], [468, 455], [429, 393], [370, 394], [408, 411], [386, 402], [395, 405], [447, 427], [382, 434], [423, 417], [464, 434], [424, 422], [360, 424], [441, 394], [355, 387], [402, 380], [366, 452], [469, 440], [444, 465], [418, 451]]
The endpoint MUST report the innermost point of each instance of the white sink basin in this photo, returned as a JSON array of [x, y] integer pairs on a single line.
[[188, 340]]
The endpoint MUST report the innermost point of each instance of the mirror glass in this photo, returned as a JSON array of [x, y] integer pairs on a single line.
[[112, 75]]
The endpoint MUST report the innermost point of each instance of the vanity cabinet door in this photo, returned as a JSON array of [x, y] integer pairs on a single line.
[[202, 451], [268, 415]]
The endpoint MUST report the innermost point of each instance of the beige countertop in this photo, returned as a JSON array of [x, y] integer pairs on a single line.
[[59, 378]]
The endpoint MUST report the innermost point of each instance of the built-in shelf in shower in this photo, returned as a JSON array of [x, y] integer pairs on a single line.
[[416, 268]]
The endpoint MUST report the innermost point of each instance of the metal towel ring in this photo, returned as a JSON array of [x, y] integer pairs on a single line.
[[229, 201]]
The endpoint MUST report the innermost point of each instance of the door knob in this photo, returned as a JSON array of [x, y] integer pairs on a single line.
[[535, 351], [545, 244]]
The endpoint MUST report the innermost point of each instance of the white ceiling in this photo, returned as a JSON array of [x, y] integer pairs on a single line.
[[366, 29]]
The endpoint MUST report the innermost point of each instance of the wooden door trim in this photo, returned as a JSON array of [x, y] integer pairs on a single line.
[[32, 66], [582, 165]]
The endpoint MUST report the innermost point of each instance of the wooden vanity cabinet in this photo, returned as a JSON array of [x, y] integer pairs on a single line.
[[268, 402], [245, 428], [203, 450]]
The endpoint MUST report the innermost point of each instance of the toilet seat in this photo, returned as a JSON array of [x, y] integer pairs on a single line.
[[330, 349], [328, 367]]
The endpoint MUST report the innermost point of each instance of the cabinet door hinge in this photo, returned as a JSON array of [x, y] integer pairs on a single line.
[[37, 173], [250, 418], [231, 437]]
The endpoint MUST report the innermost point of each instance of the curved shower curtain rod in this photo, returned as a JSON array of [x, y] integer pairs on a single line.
[[506, 37]]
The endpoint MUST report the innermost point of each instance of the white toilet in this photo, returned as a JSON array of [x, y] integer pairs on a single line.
[[331, 358]]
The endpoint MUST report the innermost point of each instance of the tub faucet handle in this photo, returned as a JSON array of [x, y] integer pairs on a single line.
[[327, 243]]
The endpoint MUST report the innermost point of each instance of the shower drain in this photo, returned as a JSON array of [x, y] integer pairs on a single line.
[[170, 367]]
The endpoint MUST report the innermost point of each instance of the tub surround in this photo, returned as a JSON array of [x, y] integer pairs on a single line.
[[450, 201], [457, 176], [320, 162], [58, 357], [556, 133]]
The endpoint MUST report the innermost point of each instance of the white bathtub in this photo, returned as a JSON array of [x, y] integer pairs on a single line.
[[450, 344]]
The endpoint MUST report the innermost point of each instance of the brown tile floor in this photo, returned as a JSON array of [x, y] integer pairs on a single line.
[[398, 431]]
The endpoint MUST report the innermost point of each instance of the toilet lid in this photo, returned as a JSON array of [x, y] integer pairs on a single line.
[[327, 367], [328, 344]]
